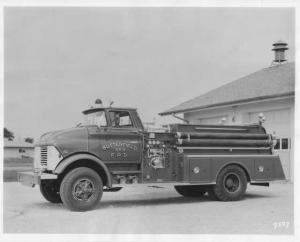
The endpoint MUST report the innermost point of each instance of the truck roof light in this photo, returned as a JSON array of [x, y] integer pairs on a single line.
[[98, 103]]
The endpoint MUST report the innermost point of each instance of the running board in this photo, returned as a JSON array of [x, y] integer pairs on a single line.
[[264, 184], [125, 172]]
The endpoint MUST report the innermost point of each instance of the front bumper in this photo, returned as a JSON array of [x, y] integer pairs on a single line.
[[32, 178]]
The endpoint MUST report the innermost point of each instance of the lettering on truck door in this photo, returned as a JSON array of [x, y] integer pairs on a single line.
[[123, 141]]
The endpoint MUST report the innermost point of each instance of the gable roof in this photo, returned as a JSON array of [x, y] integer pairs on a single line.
[[271, 82]]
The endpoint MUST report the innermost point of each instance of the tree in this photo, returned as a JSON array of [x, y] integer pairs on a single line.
[[8, 134], [29, 140]]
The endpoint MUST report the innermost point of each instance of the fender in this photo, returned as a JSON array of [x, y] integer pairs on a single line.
[[69, 160]]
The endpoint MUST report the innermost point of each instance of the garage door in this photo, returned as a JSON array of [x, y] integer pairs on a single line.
[[278, 122]]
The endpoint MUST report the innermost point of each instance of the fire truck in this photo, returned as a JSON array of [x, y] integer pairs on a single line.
[[111, 150]]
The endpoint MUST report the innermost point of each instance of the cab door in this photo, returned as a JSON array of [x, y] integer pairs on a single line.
[[121, 141]]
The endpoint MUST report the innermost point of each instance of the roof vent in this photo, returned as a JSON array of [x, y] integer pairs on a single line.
[[279, 48]]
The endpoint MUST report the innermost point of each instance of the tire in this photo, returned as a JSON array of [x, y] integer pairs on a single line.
[[231, 184], [191, 191], [211, 193], [50, 191], [81, 189]]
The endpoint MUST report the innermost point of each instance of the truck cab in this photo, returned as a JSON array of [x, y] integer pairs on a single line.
[[114, 134]]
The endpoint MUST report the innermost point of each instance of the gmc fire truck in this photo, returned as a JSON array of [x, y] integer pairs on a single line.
[[111, 150]]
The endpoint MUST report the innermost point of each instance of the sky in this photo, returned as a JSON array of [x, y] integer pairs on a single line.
[[58, 60]]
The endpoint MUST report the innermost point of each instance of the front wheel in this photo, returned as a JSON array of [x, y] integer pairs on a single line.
[[81, 189], [231, 184], [50, 191]]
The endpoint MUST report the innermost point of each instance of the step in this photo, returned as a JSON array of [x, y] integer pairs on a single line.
[[125, 172]]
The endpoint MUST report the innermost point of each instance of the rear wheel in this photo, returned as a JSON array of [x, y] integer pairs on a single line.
[[81, 189], [191, 191], [231, 184], [211, 193], [50, 191]]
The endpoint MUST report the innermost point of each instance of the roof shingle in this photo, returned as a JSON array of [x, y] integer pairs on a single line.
[[274, 81]]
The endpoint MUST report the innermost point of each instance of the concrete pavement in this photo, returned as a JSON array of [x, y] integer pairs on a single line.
[[153, 211]]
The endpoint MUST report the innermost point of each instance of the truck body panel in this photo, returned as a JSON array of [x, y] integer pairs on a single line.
[[257, 168]]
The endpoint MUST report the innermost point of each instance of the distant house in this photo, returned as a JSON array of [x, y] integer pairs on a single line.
[[270, 91], [18, 149]]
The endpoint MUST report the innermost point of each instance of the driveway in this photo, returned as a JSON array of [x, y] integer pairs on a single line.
[[137, 210]]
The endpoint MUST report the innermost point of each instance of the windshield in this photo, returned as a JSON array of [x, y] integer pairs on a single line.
[[95, 118]]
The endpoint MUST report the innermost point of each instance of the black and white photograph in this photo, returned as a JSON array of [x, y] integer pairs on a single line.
[[148, 120]]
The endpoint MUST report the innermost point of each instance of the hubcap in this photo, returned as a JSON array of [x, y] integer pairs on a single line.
[[83, 190], [231, 182]]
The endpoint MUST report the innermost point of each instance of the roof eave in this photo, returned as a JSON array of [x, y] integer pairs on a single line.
[[216, 105]]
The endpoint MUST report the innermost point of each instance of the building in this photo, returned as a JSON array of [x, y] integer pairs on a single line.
[[270, 91], [17, 148]]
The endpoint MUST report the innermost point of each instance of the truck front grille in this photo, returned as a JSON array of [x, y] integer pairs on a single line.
[[44, 156]]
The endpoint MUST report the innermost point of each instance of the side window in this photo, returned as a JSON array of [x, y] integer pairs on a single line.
[[21, 150], [277, 146], [120, 119], [284, 144]]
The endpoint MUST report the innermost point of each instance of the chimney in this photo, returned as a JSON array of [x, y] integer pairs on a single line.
[[279, 48]]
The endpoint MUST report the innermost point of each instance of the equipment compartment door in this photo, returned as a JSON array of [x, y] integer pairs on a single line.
[[264, 168], [199, 169]]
